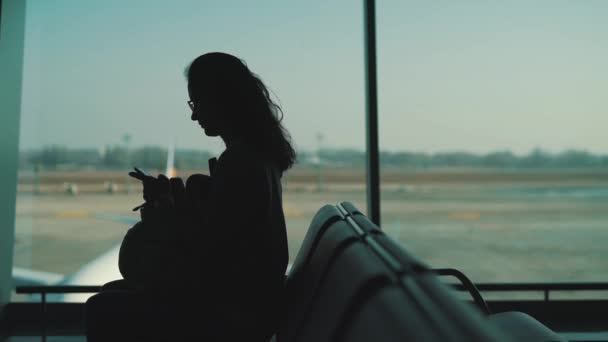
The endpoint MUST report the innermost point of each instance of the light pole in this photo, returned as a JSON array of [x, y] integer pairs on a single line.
[[319, 163], [126, 139]]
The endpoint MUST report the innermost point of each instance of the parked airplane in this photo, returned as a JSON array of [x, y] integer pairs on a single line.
[[98, 271]]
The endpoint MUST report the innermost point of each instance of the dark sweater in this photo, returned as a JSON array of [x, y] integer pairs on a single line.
[[216, 264], [243, 251]]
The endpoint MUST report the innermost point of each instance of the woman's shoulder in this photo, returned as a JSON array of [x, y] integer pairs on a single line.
[[244, 168], [244, 157], [237, 153]]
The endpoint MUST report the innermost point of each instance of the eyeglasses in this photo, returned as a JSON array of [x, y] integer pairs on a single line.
[[192, 105]]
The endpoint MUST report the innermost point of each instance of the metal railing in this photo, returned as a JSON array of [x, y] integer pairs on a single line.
[[55, 289], [546, 288]]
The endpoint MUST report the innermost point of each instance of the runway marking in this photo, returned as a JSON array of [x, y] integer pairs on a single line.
[[465, 215], [290, 211], [72, 214]]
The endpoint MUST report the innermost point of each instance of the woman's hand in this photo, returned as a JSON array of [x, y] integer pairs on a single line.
[[156, 190]]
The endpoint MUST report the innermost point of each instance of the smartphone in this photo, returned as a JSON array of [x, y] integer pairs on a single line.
[[141, 175], [142, 172]]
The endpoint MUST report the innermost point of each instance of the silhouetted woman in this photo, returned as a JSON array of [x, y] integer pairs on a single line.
[[225, 280], [242, 247]]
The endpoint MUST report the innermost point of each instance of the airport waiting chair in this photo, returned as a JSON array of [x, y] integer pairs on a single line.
[[364, 222], [388, 315], [352, 276], [408, 263], [521, 326], [350, 208], [340, 288], [451, 309], [410, 270], [337, 294], [524, 327], [325, 217], [302, 284]]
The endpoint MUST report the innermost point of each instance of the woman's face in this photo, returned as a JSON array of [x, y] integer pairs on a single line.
[[205, 112]]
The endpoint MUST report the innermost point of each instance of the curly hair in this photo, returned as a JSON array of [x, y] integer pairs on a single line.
[[245, 103]]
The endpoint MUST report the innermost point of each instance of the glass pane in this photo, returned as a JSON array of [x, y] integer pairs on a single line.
[[492, 121], [95, 70]]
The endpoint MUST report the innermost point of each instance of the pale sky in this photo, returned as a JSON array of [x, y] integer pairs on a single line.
[[474, 76]]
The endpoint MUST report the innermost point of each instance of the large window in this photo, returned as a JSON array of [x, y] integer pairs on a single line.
[[494, 154], [95, 71]]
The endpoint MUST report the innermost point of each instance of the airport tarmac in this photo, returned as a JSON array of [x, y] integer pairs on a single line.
[[494, 232]]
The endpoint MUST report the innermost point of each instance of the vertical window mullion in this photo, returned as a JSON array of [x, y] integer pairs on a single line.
[[12, 35], [371, 109]]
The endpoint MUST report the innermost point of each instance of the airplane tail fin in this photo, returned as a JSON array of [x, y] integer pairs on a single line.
[[171, 170]]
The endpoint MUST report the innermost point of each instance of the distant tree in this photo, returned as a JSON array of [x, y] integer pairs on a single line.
[[576, 158], [114, 157], [342, 157], [192, 159], [155, 157], [405, 159], [455, 159], [50, 157], [536, 159], [501, 159], [150, 157]]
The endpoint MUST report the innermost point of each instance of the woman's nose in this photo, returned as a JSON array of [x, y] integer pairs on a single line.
[[193, 117]]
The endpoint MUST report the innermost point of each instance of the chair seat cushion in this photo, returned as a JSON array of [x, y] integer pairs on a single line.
[[523, 327]]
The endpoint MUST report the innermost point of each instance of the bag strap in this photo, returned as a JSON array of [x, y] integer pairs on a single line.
[[212, 162]]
